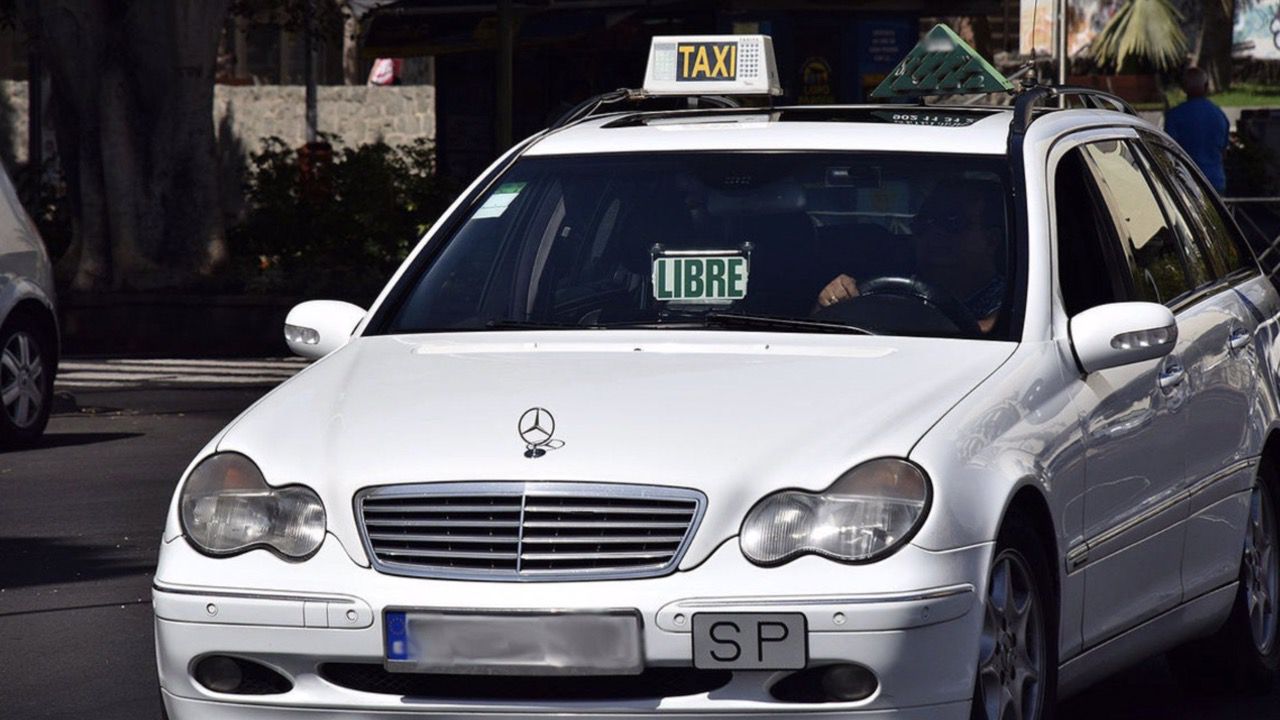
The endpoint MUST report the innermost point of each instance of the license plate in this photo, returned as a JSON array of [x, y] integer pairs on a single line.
[[750, 641], [516, 643]]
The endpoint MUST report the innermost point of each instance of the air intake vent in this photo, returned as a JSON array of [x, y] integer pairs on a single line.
[[527, 531]]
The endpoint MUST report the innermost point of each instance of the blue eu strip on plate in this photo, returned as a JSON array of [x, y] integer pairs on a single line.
[[397, 636]]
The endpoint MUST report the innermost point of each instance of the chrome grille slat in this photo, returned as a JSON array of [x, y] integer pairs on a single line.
[[391, 522], [416, 552], [606, 525], [493, 509], [446, 538], [604, 509], [527, 531], [603, 540], [646, 569], [593, 556]]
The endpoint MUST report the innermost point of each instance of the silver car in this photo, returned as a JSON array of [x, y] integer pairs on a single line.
[[28, 324]]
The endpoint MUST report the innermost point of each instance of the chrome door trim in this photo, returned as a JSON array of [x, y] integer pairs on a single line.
[[1205, 483], [1078, 554]]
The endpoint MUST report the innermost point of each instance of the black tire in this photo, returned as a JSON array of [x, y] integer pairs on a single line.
[[1236, 659], [1020, 546], [26, 367]]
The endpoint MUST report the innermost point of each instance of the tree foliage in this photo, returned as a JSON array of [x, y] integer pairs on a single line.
[[1142, 32], [341, 227], [132, 87]]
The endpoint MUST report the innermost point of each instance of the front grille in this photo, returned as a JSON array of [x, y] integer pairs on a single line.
[[527, 531]]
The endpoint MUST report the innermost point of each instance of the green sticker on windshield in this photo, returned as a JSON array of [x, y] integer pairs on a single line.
[[499, 201], [700, 278]]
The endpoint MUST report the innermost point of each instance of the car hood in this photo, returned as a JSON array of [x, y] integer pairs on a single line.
[[734, 415]]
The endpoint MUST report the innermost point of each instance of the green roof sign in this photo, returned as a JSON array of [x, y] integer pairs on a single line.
[[942, 64]]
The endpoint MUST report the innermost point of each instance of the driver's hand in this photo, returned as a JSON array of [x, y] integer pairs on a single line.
[[838, 290]]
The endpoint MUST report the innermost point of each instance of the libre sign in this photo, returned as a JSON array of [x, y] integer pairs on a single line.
[[707, 279]]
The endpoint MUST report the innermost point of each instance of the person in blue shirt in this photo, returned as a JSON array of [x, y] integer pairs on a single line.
[[1200, 127]]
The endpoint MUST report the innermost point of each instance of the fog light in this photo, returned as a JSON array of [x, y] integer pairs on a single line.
[[237, 676], [219, 673], [847, 683]]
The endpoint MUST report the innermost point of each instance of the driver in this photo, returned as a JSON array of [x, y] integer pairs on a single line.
[[959, 233]]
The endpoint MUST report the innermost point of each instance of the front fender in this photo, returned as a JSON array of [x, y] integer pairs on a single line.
[[1018, 428], [16, 287]]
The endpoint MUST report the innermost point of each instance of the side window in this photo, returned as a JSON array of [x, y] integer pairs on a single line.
[[1150, 248], [1193, 253], [1226, 249], [1086, 274]]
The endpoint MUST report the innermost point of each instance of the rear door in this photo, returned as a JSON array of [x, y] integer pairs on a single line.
[[1135, 417]]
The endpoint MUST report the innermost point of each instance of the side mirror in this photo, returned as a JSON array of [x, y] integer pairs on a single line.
[[316, 328], [1122, 333]]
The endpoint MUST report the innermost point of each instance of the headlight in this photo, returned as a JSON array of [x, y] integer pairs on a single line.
[[227, 508], [866, 514]]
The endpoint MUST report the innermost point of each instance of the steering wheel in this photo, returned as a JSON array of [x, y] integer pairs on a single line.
[[926, 293]]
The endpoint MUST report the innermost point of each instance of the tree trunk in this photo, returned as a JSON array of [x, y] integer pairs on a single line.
[[133, 82], [1213, 51], [350, 47]]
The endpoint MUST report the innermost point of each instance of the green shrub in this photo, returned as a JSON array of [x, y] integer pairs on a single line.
[[340, 231]]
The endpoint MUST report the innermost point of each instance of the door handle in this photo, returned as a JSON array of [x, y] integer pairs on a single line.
[[1240, 337], [1172, 376]]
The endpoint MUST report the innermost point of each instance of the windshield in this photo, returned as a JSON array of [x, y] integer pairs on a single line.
[[884, 243]]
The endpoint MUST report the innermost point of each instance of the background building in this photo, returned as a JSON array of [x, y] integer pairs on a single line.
[[564, 51]]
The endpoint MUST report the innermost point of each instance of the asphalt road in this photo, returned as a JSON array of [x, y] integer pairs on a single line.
[[80, 522]]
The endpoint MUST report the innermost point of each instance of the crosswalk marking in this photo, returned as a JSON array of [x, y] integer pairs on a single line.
[[151, 362], [126, 373], [150, 371]]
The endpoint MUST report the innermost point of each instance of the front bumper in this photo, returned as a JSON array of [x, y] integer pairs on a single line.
[[910, 619], [180, 707]]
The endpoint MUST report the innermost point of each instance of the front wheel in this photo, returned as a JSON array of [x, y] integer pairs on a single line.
[[1015, 674], [26, 381], [1245, 654]]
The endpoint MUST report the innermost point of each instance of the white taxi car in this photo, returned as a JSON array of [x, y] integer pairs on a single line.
[[887, 411]]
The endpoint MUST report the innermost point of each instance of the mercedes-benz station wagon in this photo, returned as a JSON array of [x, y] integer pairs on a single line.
[[884, 411]]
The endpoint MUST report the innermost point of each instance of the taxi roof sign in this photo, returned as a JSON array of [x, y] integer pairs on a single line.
[[942, 64], [712, 65]]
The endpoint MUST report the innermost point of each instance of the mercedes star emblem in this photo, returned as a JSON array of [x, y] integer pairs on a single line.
[[537, 426]]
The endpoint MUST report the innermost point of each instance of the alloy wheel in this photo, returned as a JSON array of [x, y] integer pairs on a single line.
[[1261, 573], [22, 387], [1012, 661]]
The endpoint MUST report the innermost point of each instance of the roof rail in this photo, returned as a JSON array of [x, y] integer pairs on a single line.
[[588, 107], [1028, 100]]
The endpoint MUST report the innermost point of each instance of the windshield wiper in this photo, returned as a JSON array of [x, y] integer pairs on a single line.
[[711, 319], [509, 324], [780, 324]]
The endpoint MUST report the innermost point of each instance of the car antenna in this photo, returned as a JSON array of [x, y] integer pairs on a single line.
[[1035, 16]]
